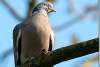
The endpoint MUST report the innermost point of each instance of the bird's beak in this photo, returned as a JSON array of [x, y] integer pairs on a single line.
[[53, 10]]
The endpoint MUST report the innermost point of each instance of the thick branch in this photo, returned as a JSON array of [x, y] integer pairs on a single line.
[[71, 52], [32, 3]]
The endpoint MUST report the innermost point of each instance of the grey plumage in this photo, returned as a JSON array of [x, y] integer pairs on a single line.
[[33, 35]]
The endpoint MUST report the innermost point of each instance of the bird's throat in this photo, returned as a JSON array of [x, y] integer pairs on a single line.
[[43, 11]]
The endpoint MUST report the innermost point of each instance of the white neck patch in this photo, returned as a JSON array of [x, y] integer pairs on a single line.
[[42, 11]]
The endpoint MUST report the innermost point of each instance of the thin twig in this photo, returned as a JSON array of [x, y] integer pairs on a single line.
[[13, 12], [75, 19]]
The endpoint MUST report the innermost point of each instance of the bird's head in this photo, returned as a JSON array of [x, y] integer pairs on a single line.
[[47, 6]]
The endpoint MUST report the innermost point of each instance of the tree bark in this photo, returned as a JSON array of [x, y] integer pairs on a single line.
[[71, 52]]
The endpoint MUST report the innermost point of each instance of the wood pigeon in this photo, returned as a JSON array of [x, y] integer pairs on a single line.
[[33, 35]]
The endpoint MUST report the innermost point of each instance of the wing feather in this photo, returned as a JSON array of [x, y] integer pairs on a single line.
[[17, 44]]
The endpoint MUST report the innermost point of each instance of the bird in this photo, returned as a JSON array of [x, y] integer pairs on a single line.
[[34, 35]]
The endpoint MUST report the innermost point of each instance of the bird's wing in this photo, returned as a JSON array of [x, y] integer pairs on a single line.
[[17, 44], [51, 42]]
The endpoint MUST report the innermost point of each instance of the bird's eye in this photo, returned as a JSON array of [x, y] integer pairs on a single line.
[[44, 4]]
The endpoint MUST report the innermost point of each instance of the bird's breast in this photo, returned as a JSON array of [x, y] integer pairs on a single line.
[[35, 36]]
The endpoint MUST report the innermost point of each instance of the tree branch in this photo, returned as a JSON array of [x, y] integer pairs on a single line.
[[13, 12], [32, 3], [77, 18], [70, 52], [6, 54]]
